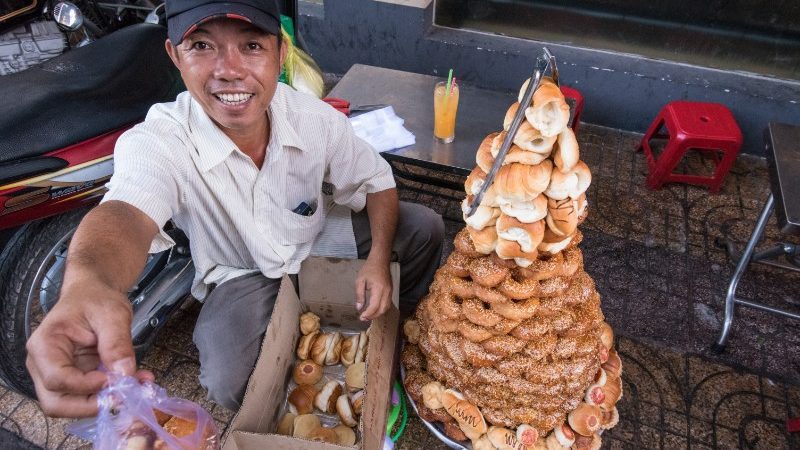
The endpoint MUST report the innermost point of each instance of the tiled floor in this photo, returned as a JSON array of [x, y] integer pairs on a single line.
[[662, 278]]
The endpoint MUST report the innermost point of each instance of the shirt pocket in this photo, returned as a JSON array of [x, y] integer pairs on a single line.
[[299, 229]]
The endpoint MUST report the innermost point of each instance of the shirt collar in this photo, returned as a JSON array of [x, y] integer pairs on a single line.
[[214, 146]]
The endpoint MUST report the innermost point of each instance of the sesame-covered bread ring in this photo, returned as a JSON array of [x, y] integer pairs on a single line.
[[464, 245], [517, 310], [487, 272], [474, 310], [527, 288]]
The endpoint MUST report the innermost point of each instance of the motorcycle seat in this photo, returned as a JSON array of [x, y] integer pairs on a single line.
[[85, 92]]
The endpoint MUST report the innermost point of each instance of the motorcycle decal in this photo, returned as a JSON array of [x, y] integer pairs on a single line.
[[25, 199], [36, 195], [70, 176], [98, 191]]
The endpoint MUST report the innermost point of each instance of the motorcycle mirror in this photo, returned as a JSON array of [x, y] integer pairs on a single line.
[[68, 16], [152, 16]]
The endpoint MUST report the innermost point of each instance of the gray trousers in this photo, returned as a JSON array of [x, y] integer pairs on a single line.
[[234, 317]]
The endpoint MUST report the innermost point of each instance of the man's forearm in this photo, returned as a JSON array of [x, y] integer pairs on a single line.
[[109, 247], [382, 209]]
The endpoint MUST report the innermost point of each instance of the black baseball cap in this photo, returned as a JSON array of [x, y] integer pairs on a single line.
[[183, 16]]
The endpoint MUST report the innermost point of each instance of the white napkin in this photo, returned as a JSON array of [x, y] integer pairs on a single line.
[[382, 129]]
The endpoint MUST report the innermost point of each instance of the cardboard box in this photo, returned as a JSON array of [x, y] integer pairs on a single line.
[[327, 288]]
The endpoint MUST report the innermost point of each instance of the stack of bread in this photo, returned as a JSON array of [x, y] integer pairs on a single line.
[[510, 348]]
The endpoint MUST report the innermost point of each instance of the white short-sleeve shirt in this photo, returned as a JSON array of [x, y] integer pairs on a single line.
[[179, 165]]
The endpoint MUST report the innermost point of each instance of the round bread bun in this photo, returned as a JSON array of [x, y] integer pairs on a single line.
[[320, 348], [510, 113], [527, 212], [355, 377], [565, 152], [309, 322], [325, 400], [286, 425], [533, 140], [468, 416], [613, 366], [357, 400], [304, 425], [549, 112], [432, 394], [527, 235], [305, 345], [484, 216], [473, 184], [180, 427], [610, 419], [349, 350], [345, 411], [553, 243], [527, 435], [512, 250], [484, 240], [571, 184], [515, 154], [334, 350], [484, 157], [483, 443], [307, 372], [503, 438], [562, 216], [585, 419], [345, 435], [521, 182], [412, 330], [324, 434], [361, 353], [301, 399], [607, 335], [562, 435], [612, 393]]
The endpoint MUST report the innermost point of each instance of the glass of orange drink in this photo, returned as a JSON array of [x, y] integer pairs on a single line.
[[444, 112]]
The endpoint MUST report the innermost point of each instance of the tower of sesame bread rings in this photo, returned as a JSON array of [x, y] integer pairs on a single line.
[[509, 349]]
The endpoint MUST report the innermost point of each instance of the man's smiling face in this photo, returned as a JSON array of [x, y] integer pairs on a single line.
[[231, 68]]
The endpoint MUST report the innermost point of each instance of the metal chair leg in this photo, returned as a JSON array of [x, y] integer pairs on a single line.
[[730, 298]]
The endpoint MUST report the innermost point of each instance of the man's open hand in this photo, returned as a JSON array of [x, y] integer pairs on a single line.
[[373, 285]]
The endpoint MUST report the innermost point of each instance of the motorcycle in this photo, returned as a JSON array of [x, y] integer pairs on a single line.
[[59, 120]]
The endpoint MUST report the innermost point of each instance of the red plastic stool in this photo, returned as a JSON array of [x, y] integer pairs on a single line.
[[692, 125], [578, 97]]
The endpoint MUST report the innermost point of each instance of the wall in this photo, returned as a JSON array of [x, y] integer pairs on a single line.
[[621, 90]]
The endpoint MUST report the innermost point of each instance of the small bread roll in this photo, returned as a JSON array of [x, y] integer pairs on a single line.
[[309, 323], [522, 183], [594, 395], [484, 240], [334, 350], [180, 427], [562, 435], [356, 376], [325, 400], [345, 435], [484, 157], [600, 378], [305, 345], [361, 353], [511, 250], [562, 216], [531, 139], [515, 154], [527, 212], [349, 350], [484, 216], [323, 434], [468, 416], [549, 111], [527, 435], [610, 419], [607, 335], [570, 184], [553, 243], [585, 419], [504, 439], [527, 235], [565, 152], [613, 366], [483, 443], [473, 184], [307, 372], [357, 400], [286, 425], [304, 425], [432, 394], [612, 393], [320, 348], [411, 330], [345, 411], [301, 399]]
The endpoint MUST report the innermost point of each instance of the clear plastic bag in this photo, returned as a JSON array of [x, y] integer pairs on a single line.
[[141, 416]]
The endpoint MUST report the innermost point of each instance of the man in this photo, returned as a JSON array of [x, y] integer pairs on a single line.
[[238, 163]]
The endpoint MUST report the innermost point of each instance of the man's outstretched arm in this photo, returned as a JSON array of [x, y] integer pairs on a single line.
[[90, 323]]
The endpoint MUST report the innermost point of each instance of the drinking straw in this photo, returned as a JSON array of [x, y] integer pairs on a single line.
[[449, 82]]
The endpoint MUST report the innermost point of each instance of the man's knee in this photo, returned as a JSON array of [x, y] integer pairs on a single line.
[[224, 388], [425, 226]]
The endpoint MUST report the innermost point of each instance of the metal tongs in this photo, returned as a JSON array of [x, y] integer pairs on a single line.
[[545, 61]]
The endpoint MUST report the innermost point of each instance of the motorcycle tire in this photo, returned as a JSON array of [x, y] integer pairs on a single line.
[[22, 258]]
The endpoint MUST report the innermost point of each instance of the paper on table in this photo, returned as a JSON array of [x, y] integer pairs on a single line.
[[382, 129]]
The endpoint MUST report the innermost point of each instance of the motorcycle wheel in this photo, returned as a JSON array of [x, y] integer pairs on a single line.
[[31, 270]]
